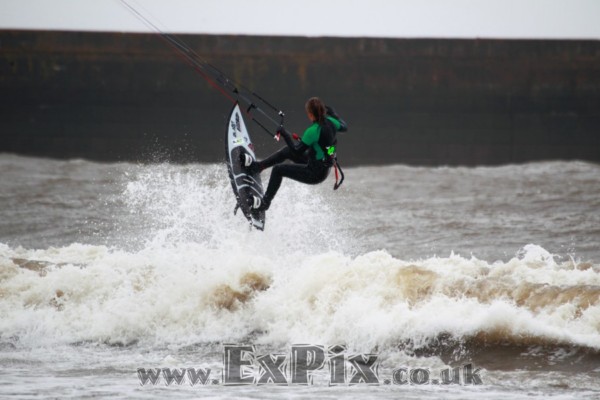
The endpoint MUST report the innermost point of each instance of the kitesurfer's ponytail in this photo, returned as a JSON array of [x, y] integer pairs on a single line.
[[316, 107]]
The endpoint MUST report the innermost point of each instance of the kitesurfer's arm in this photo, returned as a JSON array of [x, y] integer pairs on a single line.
[[297, 146], [340, 124]]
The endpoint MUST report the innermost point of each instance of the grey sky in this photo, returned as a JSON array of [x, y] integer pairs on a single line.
[[373, 18]]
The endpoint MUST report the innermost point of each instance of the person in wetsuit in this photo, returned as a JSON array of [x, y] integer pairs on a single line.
[[313, 155]]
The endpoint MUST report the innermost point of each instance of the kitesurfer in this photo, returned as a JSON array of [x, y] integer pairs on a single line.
[[313, 155]]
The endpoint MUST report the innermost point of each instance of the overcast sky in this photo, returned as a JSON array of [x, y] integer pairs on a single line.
[[566, 19]]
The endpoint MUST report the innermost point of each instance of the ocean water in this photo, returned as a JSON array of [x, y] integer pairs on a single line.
[[109, 268]]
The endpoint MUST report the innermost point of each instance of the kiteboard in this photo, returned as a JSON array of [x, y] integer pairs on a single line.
[[246, 185]]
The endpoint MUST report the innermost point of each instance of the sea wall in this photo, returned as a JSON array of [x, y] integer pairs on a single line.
[[130, 97]]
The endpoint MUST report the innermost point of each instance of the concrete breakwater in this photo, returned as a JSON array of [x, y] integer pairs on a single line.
[[129, 97]]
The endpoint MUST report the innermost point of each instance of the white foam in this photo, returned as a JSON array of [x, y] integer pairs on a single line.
[[168, 294], [182, 257]]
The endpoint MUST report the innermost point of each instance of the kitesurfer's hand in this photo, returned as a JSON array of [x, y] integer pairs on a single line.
[[282, 131], [278, 133]]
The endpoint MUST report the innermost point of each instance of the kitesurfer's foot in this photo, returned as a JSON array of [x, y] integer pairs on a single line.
[[246, 159], [260, 204], [254, 168], [265, 204], [251, 166]]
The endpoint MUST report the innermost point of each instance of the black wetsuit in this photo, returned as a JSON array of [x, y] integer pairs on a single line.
[[312, 156]]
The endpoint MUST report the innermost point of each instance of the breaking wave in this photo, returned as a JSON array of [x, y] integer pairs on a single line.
[[181, 268], [190, 293]]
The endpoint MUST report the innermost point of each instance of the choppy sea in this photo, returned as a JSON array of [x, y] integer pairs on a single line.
[[109, 268]]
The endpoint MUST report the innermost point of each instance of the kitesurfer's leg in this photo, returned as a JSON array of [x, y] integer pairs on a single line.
[[276, 158], [310, 174], [285, 153]]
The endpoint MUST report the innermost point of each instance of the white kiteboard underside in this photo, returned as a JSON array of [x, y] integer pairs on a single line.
[[245, 185]]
